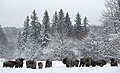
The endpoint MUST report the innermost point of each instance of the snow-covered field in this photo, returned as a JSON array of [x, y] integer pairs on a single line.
[[58, 67]]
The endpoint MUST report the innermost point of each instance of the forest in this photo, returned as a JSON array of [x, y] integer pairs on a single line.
[[61, 37]]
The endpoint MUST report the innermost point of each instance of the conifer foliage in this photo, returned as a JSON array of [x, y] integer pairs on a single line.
[[78, 26], [45, 29], [35, 37], [68, 25]]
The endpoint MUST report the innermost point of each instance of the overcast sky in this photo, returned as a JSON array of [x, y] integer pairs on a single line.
[[14, 12]]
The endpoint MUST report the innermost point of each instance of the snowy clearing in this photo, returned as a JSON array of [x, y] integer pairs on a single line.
[[59, 67]]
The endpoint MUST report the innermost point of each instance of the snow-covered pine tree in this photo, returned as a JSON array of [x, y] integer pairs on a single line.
[[23, 40], [85, 27], [25, 32], [68, 25], [46, 22], [34, 35], [85, 23], [35, 27], [61, 24], [45, 33], [78, 27], [54, 24]]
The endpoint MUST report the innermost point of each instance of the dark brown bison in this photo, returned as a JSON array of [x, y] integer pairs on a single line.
[[113, 62], [88, 61], [100, 62], [75, 62], [93, 63], [31, 64], [40, 65], [68, 61], [19, 63], [10, 64], [48, 63], [64, 60], [82, 62]]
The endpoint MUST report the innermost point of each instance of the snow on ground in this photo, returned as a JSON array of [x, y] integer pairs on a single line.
[[58, 67]]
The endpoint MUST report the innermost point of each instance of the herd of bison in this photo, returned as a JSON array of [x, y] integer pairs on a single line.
[[69, 62]]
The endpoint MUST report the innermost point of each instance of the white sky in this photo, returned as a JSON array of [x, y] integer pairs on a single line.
[[14, 12]]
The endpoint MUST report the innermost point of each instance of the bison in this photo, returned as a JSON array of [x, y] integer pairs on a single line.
[[68, 61], [86, 62], [19, 63], [82, 62], [93, 63], [100, 62], [48, 63], [90, 62], [31, 64], [10, 64], [40, 65], [75, 62], [113, 62], [64, 60]]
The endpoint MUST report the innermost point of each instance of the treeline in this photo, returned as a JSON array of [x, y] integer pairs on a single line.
[[59, 38], [37, 35]]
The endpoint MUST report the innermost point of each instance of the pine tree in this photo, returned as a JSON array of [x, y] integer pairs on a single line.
[[34, 36], [25, 33], [46, 22], [68, 25], [35, 27], [78, 19], [61, 24], [78, 26], [85, 23], [22, 38], [54, 23], [45, 30]]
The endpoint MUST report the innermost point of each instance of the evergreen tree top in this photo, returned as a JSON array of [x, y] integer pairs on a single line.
[[46, 22], [85, 21], [61, 15], [34, 19], [46, 18], [34, 16], [26, 22], [78, 19], [67, 19], [55, 18]]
